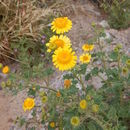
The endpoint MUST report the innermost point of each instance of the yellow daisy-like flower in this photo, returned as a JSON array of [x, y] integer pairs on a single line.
[[87, 47], [64, 58], [67, 83], [95, 108], [85, 58], [83, 104], [8, 82], [44, 99], [52, 124], [61, 25], [75, 121], [33, 88], [28, 104], [5, 70], [3, 84], [42, 93], [125, 70], [128, 62], [58, 41], [58, 94], [88, 97]]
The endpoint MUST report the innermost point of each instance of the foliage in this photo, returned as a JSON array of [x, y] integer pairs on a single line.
[[19, 20], [78, 105], [118, 12]]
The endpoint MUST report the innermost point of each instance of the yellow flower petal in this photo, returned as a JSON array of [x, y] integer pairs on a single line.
[[87, 47], [58, 41], [64, 58], [5, 70], [75, 121], [61, 25], [28, 104], [83, 104], [85, 58]]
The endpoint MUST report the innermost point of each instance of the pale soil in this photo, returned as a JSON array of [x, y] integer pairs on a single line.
[[10, 108], [82, 14]]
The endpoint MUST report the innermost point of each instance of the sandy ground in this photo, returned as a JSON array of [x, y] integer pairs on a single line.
[[82, 14]]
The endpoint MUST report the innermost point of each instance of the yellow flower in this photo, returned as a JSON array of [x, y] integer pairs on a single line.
[[8, 82], [51, 46], [124, 70], [3, 84], [75, 121], [33, 88], [58, 94], [128, 62], [95, 108], [52, 124], [87, 47], [61, 25], [85, 58], [83, 104], [116, 49], [88, 97], [58, 41], [28, 104], [42, 93], [44, 99], [119, 46], [5, 70], [64, 58], [67, 83], [93, 24]]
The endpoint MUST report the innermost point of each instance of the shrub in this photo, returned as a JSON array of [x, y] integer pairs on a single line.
[[118, 12]]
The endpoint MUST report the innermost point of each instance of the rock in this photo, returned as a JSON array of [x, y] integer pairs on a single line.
[[30, 116], [104, 24], [78, 86], [106, 38], [43, 128]]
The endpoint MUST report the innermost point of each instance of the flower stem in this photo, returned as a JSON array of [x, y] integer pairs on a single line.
[[49, 88], [80, 80]]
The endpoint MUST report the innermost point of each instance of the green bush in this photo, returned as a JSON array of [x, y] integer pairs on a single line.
[[77, 105], [118, 13]]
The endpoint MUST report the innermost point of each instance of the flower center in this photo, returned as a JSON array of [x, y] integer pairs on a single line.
[[64, 57], [59, 43], [75, 121], [87, 46], [28, 104], [61, 22], [85, 58]]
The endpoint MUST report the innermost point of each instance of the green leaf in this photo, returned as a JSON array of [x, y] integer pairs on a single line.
[[83, 68], [95, 71], [91, 126], [113, 55], [88, 76], [112, 113], [21, 121]]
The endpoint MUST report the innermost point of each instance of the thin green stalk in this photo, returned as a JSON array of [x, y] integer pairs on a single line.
[[101, 48], [80, 80], [49, 88]]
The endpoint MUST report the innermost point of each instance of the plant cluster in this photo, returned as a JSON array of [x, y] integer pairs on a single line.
[[76, 105], [20, 20], [118, 12]]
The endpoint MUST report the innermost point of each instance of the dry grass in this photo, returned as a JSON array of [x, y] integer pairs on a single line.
[[19, 18]]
